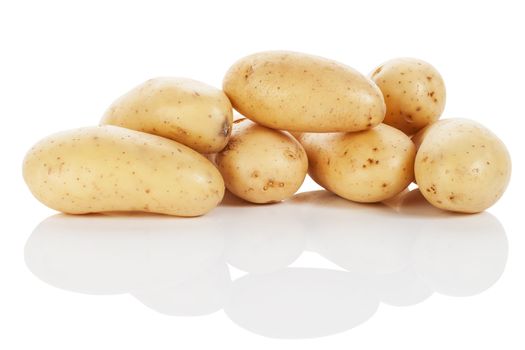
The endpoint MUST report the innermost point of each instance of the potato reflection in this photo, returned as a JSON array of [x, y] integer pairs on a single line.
[[300, 302], [399, 253]]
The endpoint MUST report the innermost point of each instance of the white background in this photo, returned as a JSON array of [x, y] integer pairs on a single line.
[[63, 62]]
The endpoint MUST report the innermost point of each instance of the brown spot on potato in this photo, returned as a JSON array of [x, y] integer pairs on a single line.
[[226, 129], [180, 130], [290, 154], [248, 72], [147, 190]]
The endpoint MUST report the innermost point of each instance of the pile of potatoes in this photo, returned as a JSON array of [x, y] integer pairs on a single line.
[[172, 146]]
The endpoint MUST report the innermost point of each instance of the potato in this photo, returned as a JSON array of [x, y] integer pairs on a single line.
[[109, 168], [365, 166], [262, 165], [187, 111], [298, 92], [461, 166], [414, 93]]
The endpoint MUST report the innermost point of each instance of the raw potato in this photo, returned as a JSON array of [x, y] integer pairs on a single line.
[[108, 168], [187, 111], [366, 166], [414, 93], [299, 92], [461, 166], [262, 165]]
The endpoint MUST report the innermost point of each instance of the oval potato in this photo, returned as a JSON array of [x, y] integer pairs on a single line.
[[262, 165], [365, 166], [414, 93], [298, 92], [108, 168], [461, 166], [187, 111]]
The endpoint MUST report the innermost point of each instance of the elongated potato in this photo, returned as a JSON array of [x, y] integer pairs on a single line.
[[187, 111], [262, 165], [108, 168], [365, 166], [298, 92], [461, 166], [414, 93]]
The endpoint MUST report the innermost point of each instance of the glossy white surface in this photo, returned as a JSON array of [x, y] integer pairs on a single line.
[[315, 272], [397, 254]]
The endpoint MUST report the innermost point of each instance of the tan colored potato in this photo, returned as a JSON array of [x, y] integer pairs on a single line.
[[262, 165], [298, 92], [414, 93], [461, 166], [108, 168], [187, 111], [365, 166]]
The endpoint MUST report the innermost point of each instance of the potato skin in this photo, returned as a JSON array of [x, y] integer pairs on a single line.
[[366, 166], [187, 111], [109, 168], [414, 93], [461, 166], [262, 165], [299, 92]]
